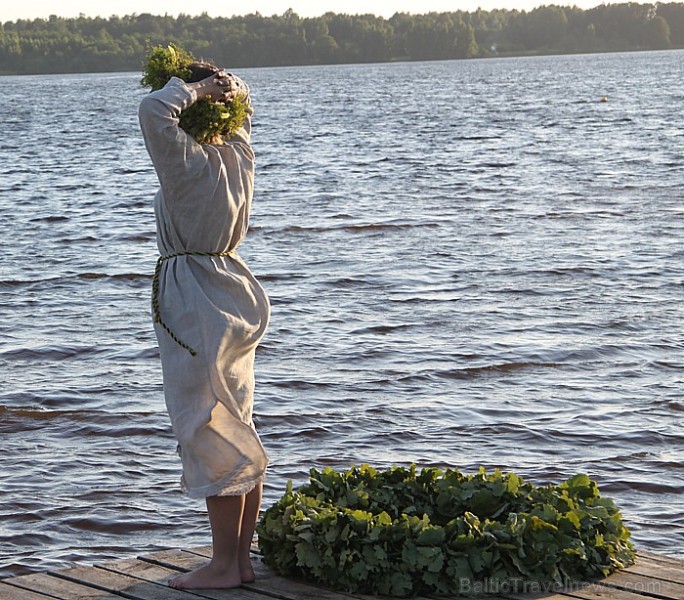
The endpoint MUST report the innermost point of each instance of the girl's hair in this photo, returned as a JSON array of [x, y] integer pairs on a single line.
[[200, 70]]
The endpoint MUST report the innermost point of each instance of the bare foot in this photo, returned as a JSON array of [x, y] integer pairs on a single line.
[[247, 572], [210, 576]]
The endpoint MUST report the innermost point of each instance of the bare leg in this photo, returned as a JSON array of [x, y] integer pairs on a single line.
[[250, 515], [223, 571]]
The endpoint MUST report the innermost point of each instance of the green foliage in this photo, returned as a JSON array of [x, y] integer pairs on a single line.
[[120, 43], [401, 532], [203, 120], [206, 119], [163, 64]]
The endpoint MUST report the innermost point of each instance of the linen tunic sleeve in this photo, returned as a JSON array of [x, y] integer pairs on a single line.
[[176, 156], [178, 159]]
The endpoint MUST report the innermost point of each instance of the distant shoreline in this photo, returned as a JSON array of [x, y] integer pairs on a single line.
[[119, 44], [397, 61]]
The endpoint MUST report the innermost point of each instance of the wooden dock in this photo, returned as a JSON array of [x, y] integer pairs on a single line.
[[144, 578]]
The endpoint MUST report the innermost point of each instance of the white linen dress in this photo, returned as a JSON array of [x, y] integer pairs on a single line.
[[212, 303]]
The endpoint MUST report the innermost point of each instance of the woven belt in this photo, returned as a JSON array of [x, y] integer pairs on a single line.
[[156, 313]]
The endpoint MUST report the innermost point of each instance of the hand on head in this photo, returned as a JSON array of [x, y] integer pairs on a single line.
[[220, 86], [228, 85], [231, 84]]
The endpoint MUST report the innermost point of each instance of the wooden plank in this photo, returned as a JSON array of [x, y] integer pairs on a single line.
[[283, 585], [266, 582], [619, 586], [638, 584], [654, 576], [9, 592], [123, 585], [156, 573], [59, 588], [646, 586], [549, 596], [205, 551], [597, 591], [269, 583], [648, 567], [589, 592], [178, 560], [662, 558]]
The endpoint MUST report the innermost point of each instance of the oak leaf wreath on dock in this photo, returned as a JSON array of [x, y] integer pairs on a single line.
[[400, 532]]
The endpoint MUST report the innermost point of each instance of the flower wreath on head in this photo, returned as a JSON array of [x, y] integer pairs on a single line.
[[203, 120]]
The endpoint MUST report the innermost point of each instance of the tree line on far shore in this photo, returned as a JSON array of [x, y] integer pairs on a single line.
[[120, 43]]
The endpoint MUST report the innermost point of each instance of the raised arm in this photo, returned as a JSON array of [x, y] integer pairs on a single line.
[[173, 152], [178, 159]]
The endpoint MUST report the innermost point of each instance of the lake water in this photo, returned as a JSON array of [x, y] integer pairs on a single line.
[[470, 263]]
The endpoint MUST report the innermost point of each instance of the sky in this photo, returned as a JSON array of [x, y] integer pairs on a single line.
[[11, 10]]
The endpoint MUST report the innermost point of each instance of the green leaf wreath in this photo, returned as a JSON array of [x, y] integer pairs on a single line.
[[401, 532], [203, 120]]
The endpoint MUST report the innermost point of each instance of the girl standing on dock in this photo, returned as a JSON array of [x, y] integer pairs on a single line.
[[210, 313]]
